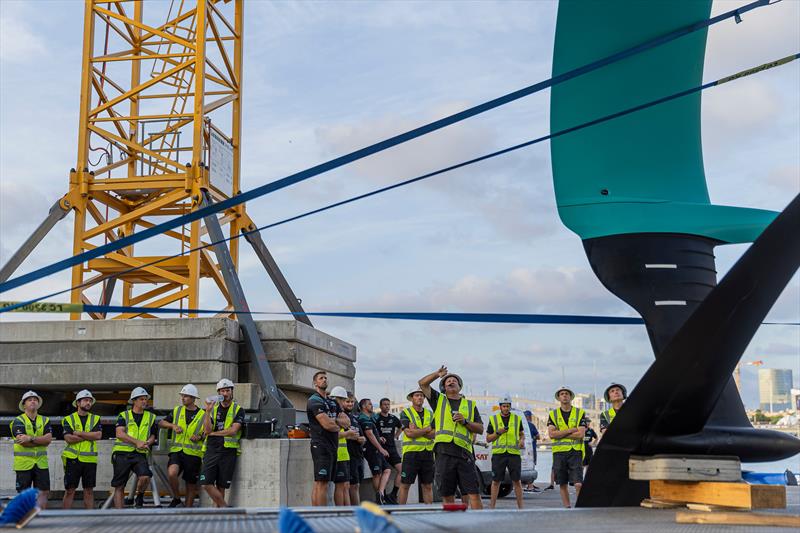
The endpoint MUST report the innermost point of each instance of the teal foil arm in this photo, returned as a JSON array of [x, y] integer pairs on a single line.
[[642, 173]]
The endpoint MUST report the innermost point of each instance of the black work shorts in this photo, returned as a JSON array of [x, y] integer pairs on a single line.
[[394, 457], [324, 459], [376, 461], [356, 470], [218, 468], [455, 472], [568, 467], [188, 465], [126, 462], [35, 477], [417, 463], [506, 461], [78, 473], [342, 472]]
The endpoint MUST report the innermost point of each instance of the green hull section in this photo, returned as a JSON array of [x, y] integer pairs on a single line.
[[642, 173]]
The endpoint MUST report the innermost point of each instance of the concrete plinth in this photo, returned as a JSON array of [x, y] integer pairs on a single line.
[[269, 473], [162, 355]]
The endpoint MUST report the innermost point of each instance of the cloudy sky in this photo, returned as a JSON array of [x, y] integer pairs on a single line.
[[323, 78]]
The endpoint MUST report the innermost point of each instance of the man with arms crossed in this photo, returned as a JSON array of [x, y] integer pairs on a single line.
[[325, 420], [81, 433], [418, 435], [508, 438], [566, 426]]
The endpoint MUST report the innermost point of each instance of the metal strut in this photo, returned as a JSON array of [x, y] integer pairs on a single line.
[[274, 404], [286, 292], [57, 212]]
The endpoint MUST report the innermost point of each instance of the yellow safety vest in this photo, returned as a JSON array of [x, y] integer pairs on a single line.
[[609, 415], [418, 444], [139, 432], [446, 429], [86, 450], [508, 442], [26, 457], [233, 440], [566, 444], [182, 441], [341, 453]]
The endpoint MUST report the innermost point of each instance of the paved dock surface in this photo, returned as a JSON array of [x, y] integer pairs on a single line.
[[542, 513]]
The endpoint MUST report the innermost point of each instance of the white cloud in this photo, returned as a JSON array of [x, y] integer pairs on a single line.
[[18, 43]]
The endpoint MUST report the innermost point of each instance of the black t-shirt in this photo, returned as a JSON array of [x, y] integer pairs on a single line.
[[353, 447], [505, 419], [367, 424], [69, 430], [589, 436], [451, 448], [217, 443], [318, 405], [18, 428], [122, 422], [387, 428]]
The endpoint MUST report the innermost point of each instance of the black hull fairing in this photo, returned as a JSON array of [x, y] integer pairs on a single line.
[[686, 402]]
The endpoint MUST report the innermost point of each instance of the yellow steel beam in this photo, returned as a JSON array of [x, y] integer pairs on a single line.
[[155, 305], [135, 214], [129, 22]]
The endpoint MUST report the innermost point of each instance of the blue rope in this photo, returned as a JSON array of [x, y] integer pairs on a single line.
[[594, 122], [367, 151]]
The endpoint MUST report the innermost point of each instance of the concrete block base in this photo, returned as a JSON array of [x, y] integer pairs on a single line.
[[112, 357]]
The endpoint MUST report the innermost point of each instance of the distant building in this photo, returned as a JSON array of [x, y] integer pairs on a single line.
[[774, 389], [583, 401]]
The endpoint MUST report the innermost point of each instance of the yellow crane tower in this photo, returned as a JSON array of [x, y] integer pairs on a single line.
[[160, 135]]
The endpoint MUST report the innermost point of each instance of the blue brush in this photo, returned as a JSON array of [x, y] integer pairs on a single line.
[[291, 522], [22, 504], [372, 522]]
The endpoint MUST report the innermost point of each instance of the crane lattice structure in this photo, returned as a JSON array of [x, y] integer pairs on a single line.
[[159, 135]]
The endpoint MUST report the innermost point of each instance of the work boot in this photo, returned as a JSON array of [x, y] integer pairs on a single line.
[[176, 502], [390, 498], [139, 501]]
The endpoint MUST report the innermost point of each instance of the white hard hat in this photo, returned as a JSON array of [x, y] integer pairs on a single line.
[[29, 394], [571, 393], [504, 399], [338, 392], [224, 383], [138, 392], [81, 395], [190, 390]]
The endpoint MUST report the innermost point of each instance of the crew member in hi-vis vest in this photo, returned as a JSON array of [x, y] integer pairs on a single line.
[[136, 433], [81, 432], [457, 421], [185, 423], [418, 435], [507, 437], [566, 426], [222, 425], [341, 480], [32, 435], [615, 396]]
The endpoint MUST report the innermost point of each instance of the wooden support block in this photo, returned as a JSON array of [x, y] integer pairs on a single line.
[[659, 504], [685, 468], [739, 519], [740, 495], [712, 508]]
